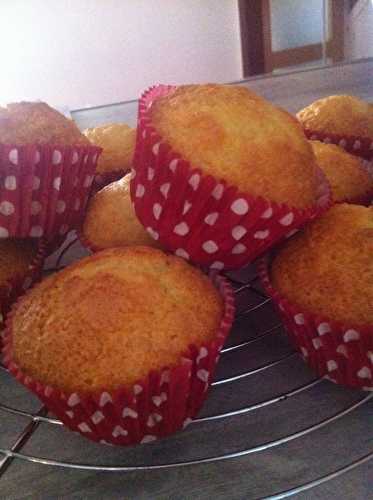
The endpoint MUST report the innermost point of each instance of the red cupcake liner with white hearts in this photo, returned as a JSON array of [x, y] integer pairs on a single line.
[[198, 217], [18, 284], [358, 146], [341, 352], [160, 404], [102, 179], [44, 188]]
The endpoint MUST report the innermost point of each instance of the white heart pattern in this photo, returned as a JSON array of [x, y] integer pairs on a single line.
[[164, 189], [104, 399], [84, 427], [210, 219], [240, 206], [323, 328], [350, 335], [238, 232], [158, 400], [194, 181], [137, 389], [299, 319], [287, 219], [119, 431], [73, 400], [97, 417], [203, 352], [203, 375], [364, 372], [148, 439], [129, 412], [331, 365], [154, 419], [180, 252], [181, 229]]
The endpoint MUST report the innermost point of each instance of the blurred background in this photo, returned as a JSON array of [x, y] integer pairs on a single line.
[[85, 53]]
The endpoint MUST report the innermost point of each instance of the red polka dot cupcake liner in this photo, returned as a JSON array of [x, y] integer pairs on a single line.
[[44, 188], [358, 146], [101, 180], [198, 217], [161, 404], [342, 353], [17, 286]]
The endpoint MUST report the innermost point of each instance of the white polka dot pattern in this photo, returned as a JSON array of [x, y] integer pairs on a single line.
[[210, 246], [180, 252], [211, 218], [181, 229], [10, 183], [56, 157], [36, 207], [36, 231], [157, 210], [240, 206], [346, 353], [6, 208], [238, 232]]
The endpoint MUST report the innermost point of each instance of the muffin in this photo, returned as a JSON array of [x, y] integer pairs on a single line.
[[348, 178], [124, 339], [37, 123], [20, 266], [341, 119], [117, 141], [111, 221], [238, 167], [46, 167], [322, 282]]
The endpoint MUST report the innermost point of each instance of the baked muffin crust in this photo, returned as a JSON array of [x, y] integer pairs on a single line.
[[348, 178], [338, 114], [111, 220], [117, 141], [37, 123], [327, 269], [111, 318], [233, 134]]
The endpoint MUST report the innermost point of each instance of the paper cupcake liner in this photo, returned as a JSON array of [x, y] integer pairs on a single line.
[[358, 146], [44, 188], [103, 179], [156, 406], [17, 286], [201, 218], [341, 352]]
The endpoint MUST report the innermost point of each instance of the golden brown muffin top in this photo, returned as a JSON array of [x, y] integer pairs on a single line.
[[111, 318], [15, 258], [345, 173], [118, 143], [233, 134], [328, 268], [37, 123], [338, 114], [111, 220]]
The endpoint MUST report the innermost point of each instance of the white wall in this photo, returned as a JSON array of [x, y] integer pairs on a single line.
[[295, 23], [90, 52], [359, 31]]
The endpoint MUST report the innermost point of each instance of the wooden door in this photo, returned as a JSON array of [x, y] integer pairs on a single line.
[[286, 33]]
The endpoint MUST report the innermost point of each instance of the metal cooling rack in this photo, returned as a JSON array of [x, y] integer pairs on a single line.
[[265, 411]]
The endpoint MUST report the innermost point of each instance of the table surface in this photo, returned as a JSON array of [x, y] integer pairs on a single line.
[[270, 427]]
